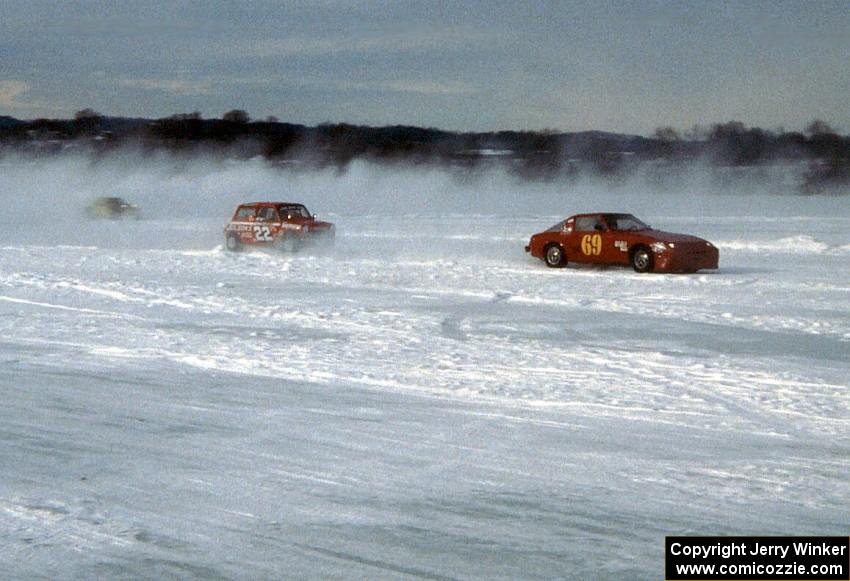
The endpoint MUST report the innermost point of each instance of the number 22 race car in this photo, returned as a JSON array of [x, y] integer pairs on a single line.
[[281, 225], [621, 239]]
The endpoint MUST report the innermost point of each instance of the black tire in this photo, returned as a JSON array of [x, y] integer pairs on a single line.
[[233, 243], [553, 256], [642, 259]]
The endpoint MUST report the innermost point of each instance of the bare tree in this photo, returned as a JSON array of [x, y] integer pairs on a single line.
[[87, 122], [696, 133], [236, 116], [819, 127], [194, 116], [667, 134], [86, 114]]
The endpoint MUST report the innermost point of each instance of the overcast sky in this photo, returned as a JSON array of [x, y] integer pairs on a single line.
[[618, 66]]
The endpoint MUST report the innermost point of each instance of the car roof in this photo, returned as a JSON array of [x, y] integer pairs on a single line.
[[272, 204], [600, 214]]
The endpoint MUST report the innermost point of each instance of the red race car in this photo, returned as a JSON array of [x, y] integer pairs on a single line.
[[621, 239], [281, 225]]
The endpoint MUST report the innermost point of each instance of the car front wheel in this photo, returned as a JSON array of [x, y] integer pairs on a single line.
[[554, 256], [642, 260]]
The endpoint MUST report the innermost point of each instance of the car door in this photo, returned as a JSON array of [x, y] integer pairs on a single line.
[[612, 243], [295, 220], [588, 239]]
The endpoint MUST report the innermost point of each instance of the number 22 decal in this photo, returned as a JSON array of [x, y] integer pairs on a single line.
[[262, 234], [591, 244]]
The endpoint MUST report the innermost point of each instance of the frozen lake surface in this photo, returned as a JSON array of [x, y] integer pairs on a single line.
[[425, 402]]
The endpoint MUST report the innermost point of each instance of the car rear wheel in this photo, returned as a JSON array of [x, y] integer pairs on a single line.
[[232, 243], [554, 257], [642, 259]]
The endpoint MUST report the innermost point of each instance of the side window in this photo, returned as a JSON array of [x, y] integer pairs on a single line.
[[245, 213], [266, 214], [586, 223]]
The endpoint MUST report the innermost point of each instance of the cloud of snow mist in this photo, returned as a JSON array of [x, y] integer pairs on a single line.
[[186, 201]]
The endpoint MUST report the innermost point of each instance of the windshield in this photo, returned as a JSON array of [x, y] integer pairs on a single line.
[[557, 227], [297, 211], [625, 222]]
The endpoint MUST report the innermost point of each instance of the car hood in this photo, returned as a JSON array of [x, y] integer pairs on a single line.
[[662, 236], [319, 224]]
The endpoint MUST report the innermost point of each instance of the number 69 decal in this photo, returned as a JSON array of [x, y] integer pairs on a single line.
[[262, 234], [591, 244]]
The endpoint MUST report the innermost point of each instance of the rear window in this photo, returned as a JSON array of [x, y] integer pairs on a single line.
[[245, 212]]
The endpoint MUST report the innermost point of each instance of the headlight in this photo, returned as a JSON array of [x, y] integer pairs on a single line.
[[658, 246]]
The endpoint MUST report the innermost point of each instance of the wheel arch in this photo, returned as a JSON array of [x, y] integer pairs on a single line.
[[635, 249], [559, 245]]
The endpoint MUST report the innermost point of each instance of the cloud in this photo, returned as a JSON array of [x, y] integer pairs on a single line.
[[430, 87], [421, 87], [407, 41], [9, 92], [172, 86]]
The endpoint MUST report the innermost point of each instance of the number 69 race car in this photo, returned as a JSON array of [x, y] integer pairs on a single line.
[[621, 239], [281, 225]]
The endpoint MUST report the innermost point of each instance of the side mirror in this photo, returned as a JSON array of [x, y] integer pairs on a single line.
[[599, 228], [315, 216]]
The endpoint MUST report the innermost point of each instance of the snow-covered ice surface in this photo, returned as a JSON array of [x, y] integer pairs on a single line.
[[425, 402]]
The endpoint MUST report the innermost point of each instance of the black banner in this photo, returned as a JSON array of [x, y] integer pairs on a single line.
[[757, 558]]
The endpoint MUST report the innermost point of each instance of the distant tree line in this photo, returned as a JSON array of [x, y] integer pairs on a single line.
[[823, 154]]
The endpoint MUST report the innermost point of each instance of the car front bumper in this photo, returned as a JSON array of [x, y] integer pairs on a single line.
[[687, 259]]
